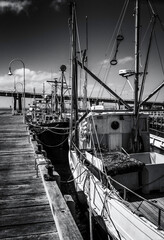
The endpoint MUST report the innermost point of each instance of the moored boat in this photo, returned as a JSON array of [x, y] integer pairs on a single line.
[[113, 169], [50, 119]]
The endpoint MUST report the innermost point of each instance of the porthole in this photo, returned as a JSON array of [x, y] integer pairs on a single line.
[[115, 125]]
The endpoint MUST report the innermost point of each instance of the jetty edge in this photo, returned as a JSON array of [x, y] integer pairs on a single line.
[[30, 207]]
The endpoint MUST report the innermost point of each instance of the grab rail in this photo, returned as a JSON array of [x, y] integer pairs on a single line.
[[144, 199]]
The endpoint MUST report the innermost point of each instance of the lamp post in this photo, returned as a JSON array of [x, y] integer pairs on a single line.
[[10, 73]]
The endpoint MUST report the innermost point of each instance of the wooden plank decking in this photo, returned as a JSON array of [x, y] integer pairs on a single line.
[[25, 211]]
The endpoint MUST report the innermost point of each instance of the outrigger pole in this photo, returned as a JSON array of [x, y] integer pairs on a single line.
[[153, 93], [74, 93], [104, 85]]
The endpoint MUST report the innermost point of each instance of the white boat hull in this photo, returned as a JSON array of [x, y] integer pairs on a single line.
[[120, 221]]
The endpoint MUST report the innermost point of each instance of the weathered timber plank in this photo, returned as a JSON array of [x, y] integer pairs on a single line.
[[29, 156], [23, 210], [27, 218], [28, 229], [21, 173], [12, 129], [24, 202], [31, 196], [16, 160], [13, 181], [41, 236], [20, 147], [17, 167], [13, 151], [21, 189], [65, 223], [25, 176], [18, 135]]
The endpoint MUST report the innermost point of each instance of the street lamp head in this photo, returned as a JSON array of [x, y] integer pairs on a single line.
[[10, 73]]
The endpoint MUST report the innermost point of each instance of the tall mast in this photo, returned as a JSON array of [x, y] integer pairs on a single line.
[[137, 37], [85, 61], [74, 95], [63, 69]]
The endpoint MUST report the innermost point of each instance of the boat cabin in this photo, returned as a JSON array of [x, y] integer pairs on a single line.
[[114, 131], [114, 134]]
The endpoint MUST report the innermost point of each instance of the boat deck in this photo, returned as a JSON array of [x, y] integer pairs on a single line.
[[25, 207], [150, 209], [150, 205]]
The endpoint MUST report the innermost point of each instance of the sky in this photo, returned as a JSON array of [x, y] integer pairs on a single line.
[[37, 32]]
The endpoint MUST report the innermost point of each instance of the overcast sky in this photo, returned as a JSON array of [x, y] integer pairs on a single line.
[[37, 32]]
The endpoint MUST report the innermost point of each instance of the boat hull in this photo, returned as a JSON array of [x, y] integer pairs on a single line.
[[120, 221], [53, 137]]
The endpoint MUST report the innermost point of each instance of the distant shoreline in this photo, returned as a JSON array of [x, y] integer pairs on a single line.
[[5, 109]]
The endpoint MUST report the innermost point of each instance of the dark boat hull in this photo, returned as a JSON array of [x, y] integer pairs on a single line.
[[53, 137]]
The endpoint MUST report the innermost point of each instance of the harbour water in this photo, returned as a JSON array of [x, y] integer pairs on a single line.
[[61, 165]]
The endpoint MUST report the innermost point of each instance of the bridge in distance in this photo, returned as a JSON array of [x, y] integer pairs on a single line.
[[92, 99]]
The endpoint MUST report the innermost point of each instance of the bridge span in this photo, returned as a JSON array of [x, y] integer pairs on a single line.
[[91, 99]]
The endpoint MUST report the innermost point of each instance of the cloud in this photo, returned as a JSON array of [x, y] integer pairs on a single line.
[[57, 4], [14, 6], [33, 79], [125, 60]]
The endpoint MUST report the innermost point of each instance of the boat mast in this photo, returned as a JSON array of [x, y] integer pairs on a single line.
[[137, 37], [63, 69], [74, 95]]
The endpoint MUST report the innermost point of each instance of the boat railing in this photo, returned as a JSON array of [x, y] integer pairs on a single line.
[[125, 189], [157, 132]]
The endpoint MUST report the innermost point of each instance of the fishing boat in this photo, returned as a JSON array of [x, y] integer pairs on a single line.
[[114, 171], [50, 118]]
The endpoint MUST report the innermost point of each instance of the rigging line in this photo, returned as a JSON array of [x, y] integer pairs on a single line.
[[79, 46], [72, 180], [50, 127], [119, 22], [108, 68], [151, 7], [107, 211], [98, 146], [154, 13], [136, 194], [143, 39], [147, 59], [123, 87], [52, 132], [84, 157], [105, 208], [159, 52], [78, 38], [155, 100], [53, 146]]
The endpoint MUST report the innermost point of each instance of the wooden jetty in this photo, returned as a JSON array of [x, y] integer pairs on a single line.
[[30, 208]]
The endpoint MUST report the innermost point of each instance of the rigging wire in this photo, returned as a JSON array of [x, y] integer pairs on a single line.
[[54, 146], [79, 47], [118, 24], [108, 67], [118, 27], [153, 19], [147, 59]]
